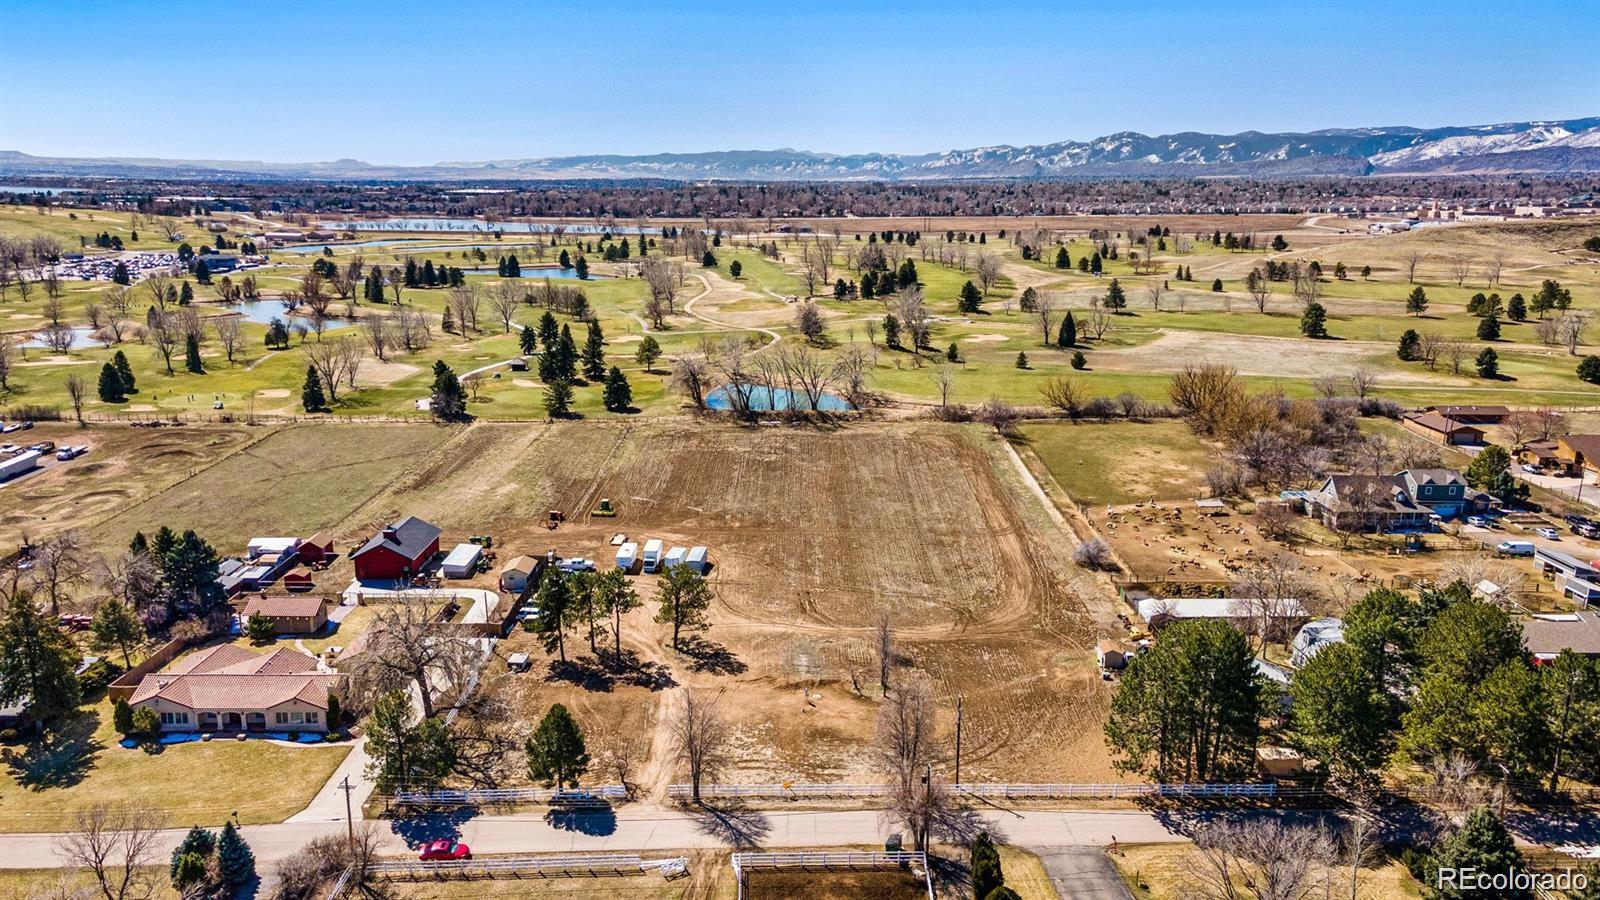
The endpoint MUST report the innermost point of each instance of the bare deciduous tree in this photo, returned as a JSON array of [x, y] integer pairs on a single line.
[[691, 376], [504, 300], [410, 646], [1064, 394], [1258, 858], [1410, 261], [988, 269], [228, 334], [700, 738], [165, 334], [117, 845], [77, 392], [904, 736]]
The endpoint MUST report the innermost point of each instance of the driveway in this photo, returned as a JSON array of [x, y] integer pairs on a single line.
[[1080, 873]]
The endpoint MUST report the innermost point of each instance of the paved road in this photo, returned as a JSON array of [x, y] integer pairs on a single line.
[[651, 830]]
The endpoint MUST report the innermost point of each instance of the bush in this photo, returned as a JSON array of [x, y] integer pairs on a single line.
[[31, 412], [122, 717], [300, 875], [1095, 554], [146, 721], [97, 676], [1589, 369], [1078, 360], [954, 412], [1100, 408]]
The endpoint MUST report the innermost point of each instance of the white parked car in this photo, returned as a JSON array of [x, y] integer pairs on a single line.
[[1477, 521], [1548, 534], [1530, 468]]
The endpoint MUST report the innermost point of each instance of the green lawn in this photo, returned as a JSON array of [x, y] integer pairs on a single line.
[[1121, 462], [43, 788]]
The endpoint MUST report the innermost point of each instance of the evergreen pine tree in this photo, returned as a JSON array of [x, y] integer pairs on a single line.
[[1417, 301], [1410, 342], [1489, 329], [594, 353], [566, 355], [235, 862], [970, 300], [618, 394], [582, 267], [1488, 363], [1063, 261], [448, 400], [191, 355], [1078, 360], [953, 354], [1589, 369], [199, 843], [110, 387], [1116, 298], [1022, 360], [649, 351], [185, 295], [549, 331], [312, 399], [556, 751], [1314, 321], [1481, 843], [1216, 286], [1517, 308], [986, 874], [125, 372], [558, 398], [1067, 335]]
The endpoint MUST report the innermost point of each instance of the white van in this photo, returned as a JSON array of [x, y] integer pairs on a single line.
[[1515, 548]]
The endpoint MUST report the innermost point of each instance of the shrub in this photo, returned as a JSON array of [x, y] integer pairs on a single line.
[[1095, 554], [1589, 369], [122, 717], [1078, 360], [145, 721], [300, 875], [1100, 408], [97, 676]]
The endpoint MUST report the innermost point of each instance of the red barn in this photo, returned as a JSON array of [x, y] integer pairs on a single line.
[[399, 551], [317, 549]]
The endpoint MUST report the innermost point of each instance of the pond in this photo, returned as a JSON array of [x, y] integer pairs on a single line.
[[262, 312], [315, 248], [765, 399], [540, 272], [82, 337]]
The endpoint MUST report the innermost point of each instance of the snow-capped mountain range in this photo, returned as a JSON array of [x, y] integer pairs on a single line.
[[1571, 145]]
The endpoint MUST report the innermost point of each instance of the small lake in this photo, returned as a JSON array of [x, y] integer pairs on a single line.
[[262, 312], [547, 272], [82, 337], [305, 249], [38, 189], [765, 399]]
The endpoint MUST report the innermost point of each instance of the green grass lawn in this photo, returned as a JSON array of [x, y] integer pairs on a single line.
[[1121, 462], [43, 788]]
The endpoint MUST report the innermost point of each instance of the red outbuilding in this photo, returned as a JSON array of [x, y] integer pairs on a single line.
[[400, 551]]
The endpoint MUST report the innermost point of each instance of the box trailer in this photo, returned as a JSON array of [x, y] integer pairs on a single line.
[[627, 555], [674, 557], [652, 555], [26, 461], [696, 560]]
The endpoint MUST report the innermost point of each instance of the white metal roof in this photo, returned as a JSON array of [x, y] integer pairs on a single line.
[[463, 555], [1219, 608]]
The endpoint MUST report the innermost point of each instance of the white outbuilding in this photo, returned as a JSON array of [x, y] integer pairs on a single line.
[[462, 561], [696, 560]]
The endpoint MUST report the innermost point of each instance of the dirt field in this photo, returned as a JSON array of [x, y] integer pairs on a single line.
[[123, 467], [1121, 462], [814, 536]]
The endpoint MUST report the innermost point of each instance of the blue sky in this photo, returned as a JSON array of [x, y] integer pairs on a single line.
[[404, 82]]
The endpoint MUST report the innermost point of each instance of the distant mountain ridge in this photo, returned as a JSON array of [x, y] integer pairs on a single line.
[[1570, 145]]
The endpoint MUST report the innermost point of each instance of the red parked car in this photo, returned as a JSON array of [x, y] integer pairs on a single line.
[[445, 850]]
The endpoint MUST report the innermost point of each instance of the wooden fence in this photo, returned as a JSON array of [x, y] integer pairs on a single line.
[[128, 682]]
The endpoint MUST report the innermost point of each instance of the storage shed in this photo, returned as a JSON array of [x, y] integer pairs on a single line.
[[462, 561], [696, 560]]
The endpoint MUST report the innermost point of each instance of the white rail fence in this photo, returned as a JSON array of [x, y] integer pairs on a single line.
[[495, 796], [796, 791], [592, 866], [830, 861]]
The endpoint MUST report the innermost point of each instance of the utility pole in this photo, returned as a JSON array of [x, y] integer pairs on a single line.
[[958, 742], [349, 819]]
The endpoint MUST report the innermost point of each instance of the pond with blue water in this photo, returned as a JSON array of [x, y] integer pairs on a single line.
[[766, 399], [540, 272], [82, 337]]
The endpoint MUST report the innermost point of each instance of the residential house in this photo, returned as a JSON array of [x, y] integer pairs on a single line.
[[1404, 501], [1547, 634], [231, 689], [1544, 456], [400, 551], [290, 613], [1473, 415], [1441, 429], [1580, 451]]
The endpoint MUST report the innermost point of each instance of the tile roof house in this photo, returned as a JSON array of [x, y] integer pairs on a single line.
[[290, 613], [231, 689], [400, 551]]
